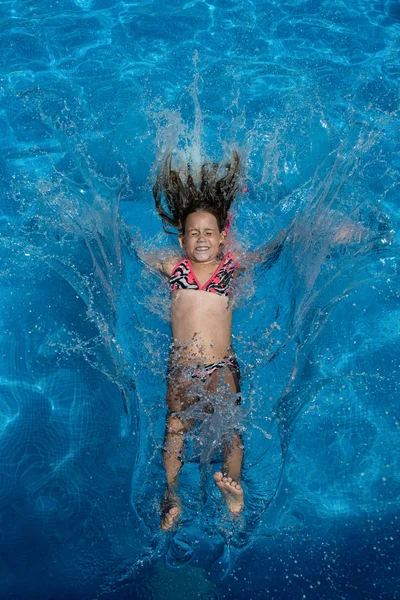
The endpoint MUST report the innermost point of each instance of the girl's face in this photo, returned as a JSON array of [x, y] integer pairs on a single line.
[[202, 237]]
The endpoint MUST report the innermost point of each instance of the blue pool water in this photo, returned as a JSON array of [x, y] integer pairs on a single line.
[[92, 93]]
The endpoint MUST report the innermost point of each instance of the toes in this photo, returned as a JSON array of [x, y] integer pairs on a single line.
[[170, 510], [234, 487], [231, 484], [227, 481], [169, 520]]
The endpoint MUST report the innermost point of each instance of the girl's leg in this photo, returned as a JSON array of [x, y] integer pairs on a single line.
[[175, 428], [228, 481], [172, 452], [233, 457], [173, 447]]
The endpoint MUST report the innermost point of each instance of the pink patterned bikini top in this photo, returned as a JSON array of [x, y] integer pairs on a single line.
[[183, 277]]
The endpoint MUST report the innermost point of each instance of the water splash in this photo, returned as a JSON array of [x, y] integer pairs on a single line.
[[68, 221]]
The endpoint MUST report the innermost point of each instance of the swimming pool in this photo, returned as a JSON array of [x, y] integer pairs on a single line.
[[93, 92]]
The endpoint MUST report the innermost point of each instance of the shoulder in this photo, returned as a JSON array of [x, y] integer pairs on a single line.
[[236, 257], [165, 265], [230, 259], [168, 265]]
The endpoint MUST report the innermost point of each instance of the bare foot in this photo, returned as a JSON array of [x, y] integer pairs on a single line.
[[231, 491], [170, 509]]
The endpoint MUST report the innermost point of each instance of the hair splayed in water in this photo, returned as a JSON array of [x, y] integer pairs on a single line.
[[177, 194]]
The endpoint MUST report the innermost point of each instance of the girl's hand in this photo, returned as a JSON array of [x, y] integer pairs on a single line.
[[154, 261]]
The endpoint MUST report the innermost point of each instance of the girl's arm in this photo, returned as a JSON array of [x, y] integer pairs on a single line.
[[158, 262], [162, 265], [269, 254]]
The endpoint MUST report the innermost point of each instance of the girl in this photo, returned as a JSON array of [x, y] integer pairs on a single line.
[[202, 364]]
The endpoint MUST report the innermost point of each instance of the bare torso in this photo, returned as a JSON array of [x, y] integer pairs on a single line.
[[201, 320], [201, 326]]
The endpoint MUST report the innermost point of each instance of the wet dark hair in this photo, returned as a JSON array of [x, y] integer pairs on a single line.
[[177, 196]]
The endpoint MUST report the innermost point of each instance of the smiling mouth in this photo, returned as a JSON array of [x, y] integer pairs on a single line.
[[202, 248]]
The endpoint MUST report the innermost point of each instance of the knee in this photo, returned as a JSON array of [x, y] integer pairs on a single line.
[[174, 436], [174, 425]]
